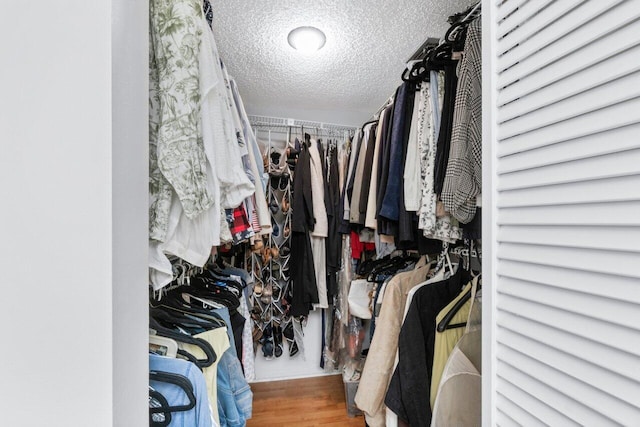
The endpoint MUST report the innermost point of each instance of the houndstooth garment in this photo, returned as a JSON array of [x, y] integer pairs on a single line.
[[463, 180]]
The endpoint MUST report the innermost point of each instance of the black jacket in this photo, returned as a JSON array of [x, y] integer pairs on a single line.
[[410, 388], [303, 276]]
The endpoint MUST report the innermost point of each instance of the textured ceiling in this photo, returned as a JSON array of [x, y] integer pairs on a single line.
[[368, 42]]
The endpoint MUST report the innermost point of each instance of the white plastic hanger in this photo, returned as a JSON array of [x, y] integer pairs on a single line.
[[162, 345]]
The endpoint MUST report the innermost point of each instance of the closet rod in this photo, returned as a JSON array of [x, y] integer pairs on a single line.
[[386, 103], [429, 43], [266, 121]]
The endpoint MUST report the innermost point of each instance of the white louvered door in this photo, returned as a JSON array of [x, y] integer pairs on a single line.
[[562, 193]]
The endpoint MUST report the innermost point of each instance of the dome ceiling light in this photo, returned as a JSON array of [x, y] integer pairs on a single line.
[[307, 39]]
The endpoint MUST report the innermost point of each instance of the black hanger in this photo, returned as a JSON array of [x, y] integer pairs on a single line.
[[417, 73], [190, 357], [173, 314], [227, 294], [445, 323], [439, 56], [180, 381], [406, 77], [389, 266], [210, 353], [164, 405]]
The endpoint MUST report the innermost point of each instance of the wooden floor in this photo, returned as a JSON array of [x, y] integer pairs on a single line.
[[301, 403]]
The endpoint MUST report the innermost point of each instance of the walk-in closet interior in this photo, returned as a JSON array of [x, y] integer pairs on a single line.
[[315, 189], [320, 213]]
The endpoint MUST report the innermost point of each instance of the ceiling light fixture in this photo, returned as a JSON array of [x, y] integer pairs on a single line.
[[307, 39]]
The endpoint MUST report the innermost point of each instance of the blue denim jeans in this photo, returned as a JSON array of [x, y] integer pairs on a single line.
[[235, 398]]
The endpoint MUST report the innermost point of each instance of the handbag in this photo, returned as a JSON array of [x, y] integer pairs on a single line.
[[360, 294]]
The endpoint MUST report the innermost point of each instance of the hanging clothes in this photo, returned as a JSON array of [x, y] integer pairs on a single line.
[[385, 227], [334, 238], [351, 176], [199, 162], [390, 207], [201, 415], [381, 129], [459, 401], [438, 276], [177, 157], [410, 386], [446, 340], [303, 276], [407, 221], [434, 227], [320, 227], [446, 125], [363, 179], [463, 179], [411, 177], [377, 370], [219, 341]]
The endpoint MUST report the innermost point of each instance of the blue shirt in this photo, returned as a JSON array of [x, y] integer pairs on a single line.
[[200, 416]]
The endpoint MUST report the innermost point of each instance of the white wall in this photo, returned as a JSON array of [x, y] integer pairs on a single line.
[[130, 211], [62, 214], [284, 368]]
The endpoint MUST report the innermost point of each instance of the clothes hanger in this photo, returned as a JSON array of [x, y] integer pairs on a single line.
[[474, 9], [169, 347], [185, 326], [445, 323], [225, 293], [209, 352], [180, 381], [176, 311], [164, 404]]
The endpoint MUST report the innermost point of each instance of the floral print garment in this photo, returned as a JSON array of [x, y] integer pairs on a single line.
[[441, 228], [177, 157]]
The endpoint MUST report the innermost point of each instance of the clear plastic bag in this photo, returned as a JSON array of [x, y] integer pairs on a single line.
[[355, 337]]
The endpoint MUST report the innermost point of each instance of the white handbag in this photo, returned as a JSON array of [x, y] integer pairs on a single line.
[[360, 294]]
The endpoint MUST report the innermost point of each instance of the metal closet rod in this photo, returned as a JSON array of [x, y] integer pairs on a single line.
[[279, 122], [284, 127]]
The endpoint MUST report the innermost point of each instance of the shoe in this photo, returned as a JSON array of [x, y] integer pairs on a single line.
[[266, 255], [257, 287], [285, 203], [277, 340], [267, 342], [267, 293], [275, 252], [256, 334], [285, 250], [289, 335], [276, 291]]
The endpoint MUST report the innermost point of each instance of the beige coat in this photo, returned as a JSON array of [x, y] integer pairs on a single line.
[[378, 367], [321, 229]]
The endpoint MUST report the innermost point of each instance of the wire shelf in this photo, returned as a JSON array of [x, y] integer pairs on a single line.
[[281, 122]]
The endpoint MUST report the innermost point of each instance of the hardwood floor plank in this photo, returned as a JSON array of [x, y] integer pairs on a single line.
[[309, 402]]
